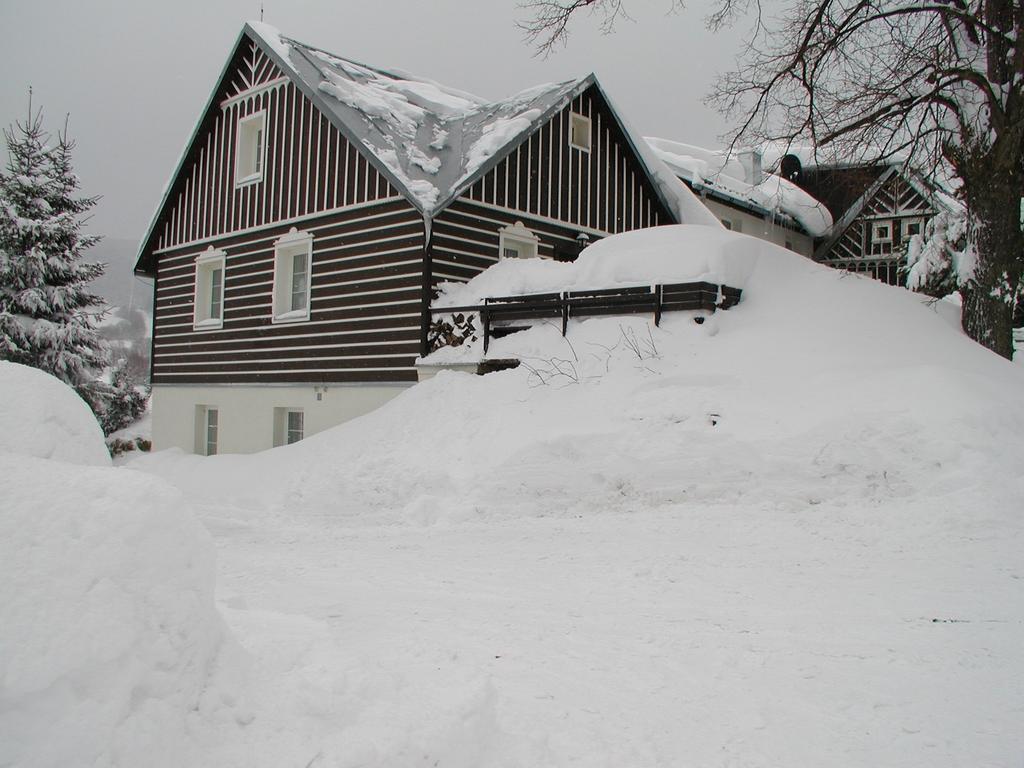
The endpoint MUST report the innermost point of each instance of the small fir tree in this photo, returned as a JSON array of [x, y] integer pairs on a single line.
[[47, 314]]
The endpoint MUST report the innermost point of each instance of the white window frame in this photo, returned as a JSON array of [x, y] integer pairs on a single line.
[[203, 430], [282, 430], [203, 318], [516, 237], [286, 248], [905, 225], [576, 119], [877, 242], [250, 159]]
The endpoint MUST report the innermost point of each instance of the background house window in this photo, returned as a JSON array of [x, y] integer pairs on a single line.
[[209, 291], [292, 265], [881, 237], [251, 148], [579, 131], [517, 242], [289, 426], [207, 428], [912, 227]]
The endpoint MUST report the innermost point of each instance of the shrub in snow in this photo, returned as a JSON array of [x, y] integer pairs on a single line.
[[43, 417], [47, 315], [126, 402], [110, 642]]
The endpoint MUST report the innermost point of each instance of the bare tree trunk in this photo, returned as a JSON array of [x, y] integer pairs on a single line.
[[989, 297]]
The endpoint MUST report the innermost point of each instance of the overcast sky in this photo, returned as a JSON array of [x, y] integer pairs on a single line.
[[134, 75]]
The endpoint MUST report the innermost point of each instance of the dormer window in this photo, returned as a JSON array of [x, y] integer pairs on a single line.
[[517, 242], [251, 148], [209, 291], [912, 227], [579, 132]]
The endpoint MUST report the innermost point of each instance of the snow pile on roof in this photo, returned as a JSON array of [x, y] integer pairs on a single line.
[[434, 138], [681, 253], [723, 173], [43, 417], [110, 644]]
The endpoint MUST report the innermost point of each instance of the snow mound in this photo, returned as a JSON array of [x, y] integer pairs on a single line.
[[43, 417], [817, 385], [111, 649], [679, 253]]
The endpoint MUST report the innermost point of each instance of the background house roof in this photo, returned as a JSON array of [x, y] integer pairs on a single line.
[[721, 174]]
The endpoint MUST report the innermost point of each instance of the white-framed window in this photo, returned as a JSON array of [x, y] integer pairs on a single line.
[[517, 242], [208, 299], [881, 237], [911, 227], [579, 131], [251, 148], [293, 260], [207, 429], [289, 425]]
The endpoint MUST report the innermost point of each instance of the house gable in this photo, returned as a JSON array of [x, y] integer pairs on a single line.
[[310, 167]]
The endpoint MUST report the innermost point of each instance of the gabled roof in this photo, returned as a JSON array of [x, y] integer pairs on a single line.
[[434, 142], [430, 141], [720, 174]]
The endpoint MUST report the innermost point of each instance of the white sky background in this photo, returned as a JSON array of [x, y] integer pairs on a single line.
[[134, 75]]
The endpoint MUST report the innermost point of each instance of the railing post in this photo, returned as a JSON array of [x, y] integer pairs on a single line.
[[657, 304], [564, 298], [485, 318]]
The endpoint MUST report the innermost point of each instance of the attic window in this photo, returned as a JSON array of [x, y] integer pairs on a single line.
[[209, 292], [911, 227], [517, 242], [579, 132], [881, 237], [293, 260], [251, 148]]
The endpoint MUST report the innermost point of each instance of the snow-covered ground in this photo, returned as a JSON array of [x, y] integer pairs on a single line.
[[789, 535]]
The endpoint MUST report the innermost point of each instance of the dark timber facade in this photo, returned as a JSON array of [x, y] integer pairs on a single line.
[[375, 251]]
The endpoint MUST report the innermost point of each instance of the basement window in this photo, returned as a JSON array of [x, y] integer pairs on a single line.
[[207, 429], [579, 131], [289, 426], [209, 291], [251, 148], [293, 260], [517, 242]]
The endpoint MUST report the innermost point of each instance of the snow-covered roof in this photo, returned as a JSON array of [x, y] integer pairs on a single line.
[[431, 140], [722, 174]]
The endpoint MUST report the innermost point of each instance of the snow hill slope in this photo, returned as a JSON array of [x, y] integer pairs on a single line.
[[789, 535], [111, 649], [824, 386]]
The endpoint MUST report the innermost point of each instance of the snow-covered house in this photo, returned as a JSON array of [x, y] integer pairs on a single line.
[[318, 204], [877, 207], [745, 197]]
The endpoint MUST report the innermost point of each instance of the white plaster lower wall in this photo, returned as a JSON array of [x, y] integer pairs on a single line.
[[246, 413], [756, 226]]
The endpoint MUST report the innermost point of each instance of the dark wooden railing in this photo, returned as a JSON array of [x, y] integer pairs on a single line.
[[655, 299]]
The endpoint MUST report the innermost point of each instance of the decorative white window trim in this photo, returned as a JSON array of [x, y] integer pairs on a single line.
[[292, 289], [879, 237], [579, 131], [208, 295], [251, 148], [517, 242], [289, 426]]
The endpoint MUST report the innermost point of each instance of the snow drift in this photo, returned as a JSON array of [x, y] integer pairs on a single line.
[[41, 416], [819, 384], [111, 648]]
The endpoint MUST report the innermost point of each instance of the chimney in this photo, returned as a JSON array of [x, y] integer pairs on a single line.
[[751, 161]]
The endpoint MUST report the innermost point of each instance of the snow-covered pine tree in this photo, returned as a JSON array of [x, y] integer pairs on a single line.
[[47, 313]]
